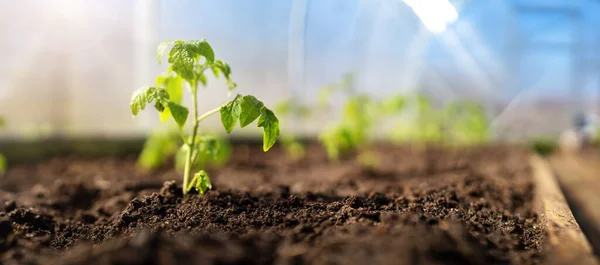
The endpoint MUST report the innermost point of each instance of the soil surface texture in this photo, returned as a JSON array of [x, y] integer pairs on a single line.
[[415, 206]]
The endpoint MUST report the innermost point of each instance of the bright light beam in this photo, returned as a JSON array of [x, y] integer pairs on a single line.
[[435, 14]]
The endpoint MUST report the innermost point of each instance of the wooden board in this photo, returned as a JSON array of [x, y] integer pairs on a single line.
[[568, 245]]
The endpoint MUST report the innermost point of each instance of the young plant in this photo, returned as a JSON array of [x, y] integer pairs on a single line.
[[466, 122], [188, 63], [358, 118], [462, 122]]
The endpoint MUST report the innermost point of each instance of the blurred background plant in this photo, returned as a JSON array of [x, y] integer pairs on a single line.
[[288, 111]]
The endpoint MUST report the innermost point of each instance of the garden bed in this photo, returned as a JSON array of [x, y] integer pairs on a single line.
[[418, 206]]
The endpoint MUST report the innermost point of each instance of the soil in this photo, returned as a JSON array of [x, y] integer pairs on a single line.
[[416, 206]]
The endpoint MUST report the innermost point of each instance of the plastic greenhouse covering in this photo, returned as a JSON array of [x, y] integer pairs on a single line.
[[73, 66]]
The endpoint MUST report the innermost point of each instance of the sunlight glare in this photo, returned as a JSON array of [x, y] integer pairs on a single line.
[[435, 14]]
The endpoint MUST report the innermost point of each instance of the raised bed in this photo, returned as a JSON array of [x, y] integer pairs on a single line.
[[488, 205]]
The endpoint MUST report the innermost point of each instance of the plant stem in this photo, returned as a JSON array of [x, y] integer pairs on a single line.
[[188, 157], [205, 115]]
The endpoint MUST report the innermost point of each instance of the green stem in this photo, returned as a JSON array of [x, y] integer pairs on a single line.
[[188, 159], [205, 115]]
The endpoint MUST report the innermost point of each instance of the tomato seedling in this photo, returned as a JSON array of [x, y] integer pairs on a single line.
[[188, 63], [462, 122], [466, 122], [359, 116]]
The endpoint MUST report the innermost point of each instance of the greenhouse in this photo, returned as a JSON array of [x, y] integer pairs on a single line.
[[299, 132]]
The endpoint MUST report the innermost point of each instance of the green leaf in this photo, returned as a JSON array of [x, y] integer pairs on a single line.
[[182, 60], [250, 109], [184, 55], [173, 85], [180, 113], [139, 100], [231, 85], [2, 122], [230, 113], [160, 51], [159, 107], [219, 67], [202, 182], [202, 79], [147, 95], [270, 125], [204, 49]]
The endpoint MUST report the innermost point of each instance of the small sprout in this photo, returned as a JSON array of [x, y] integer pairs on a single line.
[[201, 182], [358, 119], [188, 62]]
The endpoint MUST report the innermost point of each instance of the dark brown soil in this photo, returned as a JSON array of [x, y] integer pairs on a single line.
[[421, 206]]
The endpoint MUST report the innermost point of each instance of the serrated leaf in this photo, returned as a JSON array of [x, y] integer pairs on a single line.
[[203, 49], [160, 50], [230, 114], [250, 109], [184, 55], [216, 71], [202, 182], [179, 113], [219, 67], [139, 99], [270, 125], [202, 79], [147, 95], [182, 59]]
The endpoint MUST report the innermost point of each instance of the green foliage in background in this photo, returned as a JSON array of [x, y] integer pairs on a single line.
[[290, 109], [189, 61], [466, 122], [360, 115], [158, 148], [460, 122]]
